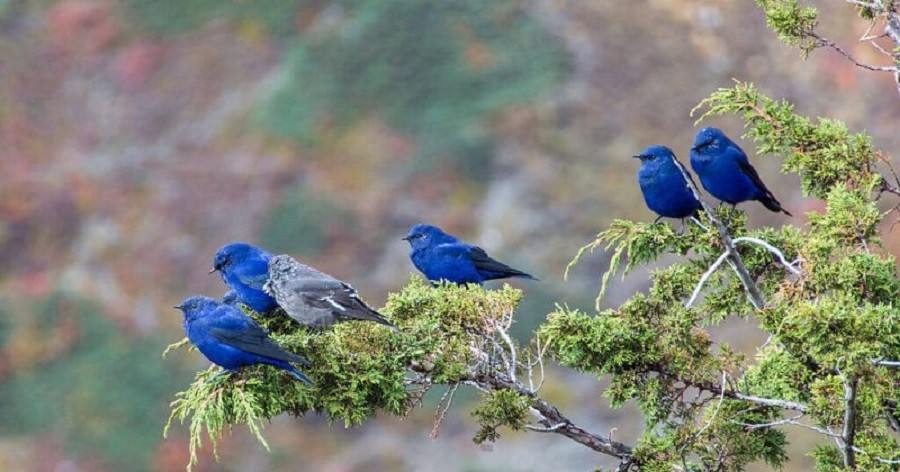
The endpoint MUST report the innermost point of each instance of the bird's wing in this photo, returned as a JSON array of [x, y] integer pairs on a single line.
[[253, 275], [315, 285], [740, 157], [482, 261], [768, 198], [338, 297], [750, 172], [241, 332]]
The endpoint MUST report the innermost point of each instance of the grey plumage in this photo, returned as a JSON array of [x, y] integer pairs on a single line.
[[314, 298]]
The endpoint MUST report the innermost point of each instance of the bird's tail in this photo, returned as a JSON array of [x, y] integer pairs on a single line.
[[301, 360], [297, 374], [368, 314], [772, 204], [507, 272], [284, 363]]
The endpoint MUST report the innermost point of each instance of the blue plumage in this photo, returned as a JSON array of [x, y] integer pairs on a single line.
[[232, 298], [726, 173], [245, 268], [441, 256], [232, 340], [665, 189]]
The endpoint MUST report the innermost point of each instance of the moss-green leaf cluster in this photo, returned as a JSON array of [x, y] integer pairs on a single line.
[[824, 153], [792, 22], [499, 408]]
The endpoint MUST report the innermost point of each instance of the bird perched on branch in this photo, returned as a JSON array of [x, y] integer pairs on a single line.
[[441, 256], [232, 298], [314, 298], [245, 268], [232, 340], [664, 187], [726, 173]]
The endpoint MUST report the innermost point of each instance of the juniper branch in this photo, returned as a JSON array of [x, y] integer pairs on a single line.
[[752, 290]]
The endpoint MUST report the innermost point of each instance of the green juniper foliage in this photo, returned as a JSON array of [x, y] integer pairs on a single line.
[[499, 408], [792, 22], [829, 325]]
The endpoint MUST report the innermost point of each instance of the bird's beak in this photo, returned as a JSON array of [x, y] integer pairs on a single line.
[[406, 238], [212, 270], [636, 157], [177, 307]]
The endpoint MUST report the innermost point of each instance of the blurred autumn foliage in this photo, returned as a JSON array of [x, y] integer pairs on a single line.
[[140, 135]]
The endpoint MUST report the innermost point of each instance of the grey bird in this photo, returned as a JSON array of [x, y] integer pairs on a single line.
[[314, 298]]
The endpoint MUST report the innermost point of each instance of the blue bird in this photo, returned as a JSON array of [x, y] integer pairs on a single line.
[[245, 268], [665, 189], [232, 298], [726, 173], [232, 340], [441, 256]]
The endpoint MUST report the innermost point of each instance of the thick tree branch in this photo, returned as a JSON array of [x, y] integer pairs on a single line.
[[849, 434], [554, 421], [496, 372]]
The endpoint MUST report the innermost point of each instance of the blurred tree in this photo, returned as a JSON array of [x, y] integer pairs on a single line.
[[170, 17], [84, 382], [826, 295], [433, 70], [299, 223]]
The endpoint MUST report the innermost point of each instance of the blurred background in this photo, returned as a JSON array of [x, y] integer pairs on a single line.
[[138, 136]]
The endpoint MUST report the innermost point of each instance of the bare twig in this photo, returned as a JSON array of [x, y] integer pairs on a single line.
[[551, 429], [711, 418], [789, 266], [879, 459], [538, 361], [706, 275], [512, 362], [792, 420], [441, 413], [787, 405], [541, 354], [698, 223], [822, 41]]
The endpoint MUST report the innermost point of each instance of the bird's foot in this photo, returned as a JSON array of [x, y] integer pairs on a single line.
[[220, 373]]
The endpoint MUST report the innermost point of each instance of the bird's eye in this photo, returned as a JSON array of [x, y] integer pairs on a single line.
[[651, 157]]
